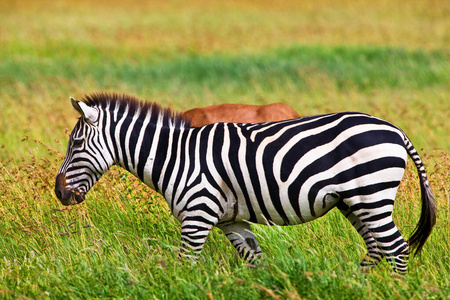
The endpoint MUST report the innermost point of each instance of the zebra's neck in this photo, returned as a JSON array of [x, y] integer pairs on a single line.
[[146, 146]]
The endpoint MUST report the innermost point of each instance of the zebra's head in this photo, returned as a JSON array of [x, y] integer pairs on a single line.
[[86, 158]]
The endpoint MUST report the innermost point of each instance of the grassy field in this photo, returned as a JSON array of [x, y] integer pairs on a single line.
[[389, 59]]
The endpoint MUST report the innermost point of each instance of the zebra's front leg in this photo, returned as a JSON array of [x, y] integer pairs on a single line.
[[241, 236], [194, 231]]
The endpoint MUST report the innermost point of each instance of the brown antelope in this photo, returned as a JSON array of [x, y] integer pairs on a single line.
[[239, 113]]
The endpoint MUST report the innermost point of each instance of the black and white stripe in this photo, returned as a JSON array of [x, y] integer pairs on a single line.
[[228, 174]]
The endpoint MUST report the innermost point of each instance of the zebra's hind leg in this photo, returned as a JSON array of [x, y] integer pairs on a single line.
[[376, 216], [241, 236], [374, 255], [390, 241]]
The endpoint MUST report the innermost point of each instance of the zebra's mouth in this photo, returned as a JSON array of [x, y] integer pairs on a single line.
[[67, 196], [70, 197], [76, 198]]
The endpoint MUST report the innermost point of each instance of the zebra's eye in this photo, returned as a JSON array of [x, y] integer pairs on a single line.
[[77, 143]]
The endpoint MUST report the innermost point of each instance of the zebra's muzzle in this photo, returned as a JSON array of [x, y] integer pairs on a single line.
[[65, 195]]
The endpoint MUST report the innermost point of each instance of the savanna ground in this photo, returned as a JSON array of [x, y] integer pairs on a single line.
[[386, 58]]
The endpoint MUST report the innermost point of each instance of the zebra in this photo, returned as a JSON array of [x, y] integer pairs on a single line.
[[231, 175]]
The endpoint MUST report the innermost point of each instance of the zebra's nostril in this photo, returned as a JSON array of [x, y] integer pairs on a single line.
[[58, 193], [60, 185]]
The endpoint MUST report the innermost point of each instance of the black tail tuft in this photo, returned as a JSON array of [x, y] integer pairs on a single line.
[[428, 215], [427, 218]]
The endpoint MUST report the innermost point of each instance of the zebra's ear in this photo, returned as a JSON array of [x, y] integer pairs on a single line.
[[88, 113]]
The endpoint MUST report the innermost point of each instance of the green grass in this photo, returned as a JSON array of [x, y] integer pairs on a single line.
[[361, 68], [123, 242], [316, 56]]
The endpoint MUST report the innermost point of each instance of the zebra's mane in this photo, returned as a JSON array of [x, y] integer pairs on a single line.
[[135, 105]]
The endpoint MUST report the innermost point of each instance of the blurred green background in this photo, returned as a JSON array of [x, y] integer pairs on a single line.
[[389, 58]]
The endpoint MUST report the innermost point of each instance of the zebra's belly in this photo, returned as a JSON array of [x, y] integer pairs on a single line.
[[287, 212]]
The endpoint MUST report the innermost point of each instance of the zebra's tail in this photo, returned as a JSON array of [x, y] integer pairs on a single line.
[[428, 215]]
